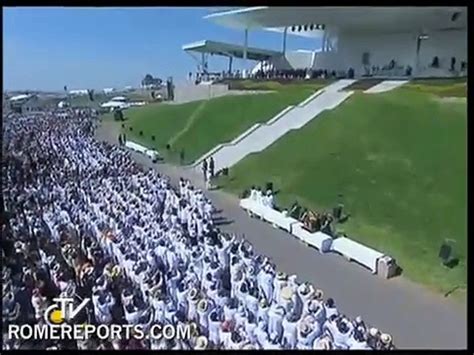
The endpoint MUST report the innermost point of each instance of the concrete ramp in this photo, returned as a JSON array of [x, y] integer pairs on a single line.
[[262, 135], [385, 86], [189, 92]]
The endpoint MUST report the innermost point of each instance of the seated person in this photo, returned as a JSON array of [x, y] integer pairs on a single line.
[[253, 193], [268, 199], [295, 210]]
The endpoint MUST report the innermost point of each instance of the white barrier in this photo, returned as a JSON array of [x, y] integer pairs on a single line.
[[151, 153], [278, 219], [357, 252], [319, 240], [324, 243], [135, 146]]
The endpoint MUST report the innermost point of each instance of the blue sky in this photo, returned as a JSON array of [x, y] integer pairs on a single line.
[[46, 48]]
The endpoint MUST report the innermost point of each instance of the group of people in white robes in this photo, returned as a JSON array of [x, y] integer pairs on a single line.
[[148, 253]]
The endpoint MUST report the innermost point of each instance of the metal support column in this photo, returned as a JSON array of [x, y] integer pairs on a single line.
[[246, 39], [230, 65], [324, 45], [284, 40]]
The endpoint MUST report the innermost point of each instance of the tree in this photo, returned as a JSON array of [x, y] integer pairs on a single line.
[[150, 80], [147, 80]]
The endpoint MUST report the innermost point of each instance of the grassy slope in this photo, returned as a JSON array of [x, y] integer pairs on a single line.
[[398, 159], [161, 120], [197, 127]]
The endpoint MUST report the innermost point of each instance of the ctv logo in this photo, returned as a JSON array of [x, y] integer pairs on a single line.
[[63, 310]]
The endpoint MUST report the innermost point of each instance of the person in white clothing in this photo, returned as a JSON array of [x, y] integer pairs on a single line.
[[290, 330], [214, 324]]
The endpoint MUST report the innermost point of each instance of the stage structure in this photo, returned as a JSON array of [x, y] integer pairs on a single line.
[[373, 41]]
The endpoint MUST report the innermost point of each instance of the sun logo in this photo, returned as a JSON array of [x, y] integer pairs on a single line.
[[56, 317], [62, 310]]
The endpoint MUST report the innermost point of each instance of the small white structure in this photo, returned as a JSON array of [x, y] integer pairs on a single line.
[[119, 99], [108, 90], [115, 105], [78, 92], [62, 104]]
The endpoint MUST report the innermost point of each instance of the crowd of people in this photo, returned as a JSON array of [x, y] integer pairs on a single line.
[[84, 220]]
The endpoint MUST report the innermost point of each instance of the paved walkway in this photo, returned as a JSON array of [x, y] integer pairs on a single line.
[[414, 316]]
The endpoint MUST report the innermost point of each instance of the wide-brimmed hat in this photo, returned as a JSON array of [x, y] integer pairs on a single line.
[[193, 294], [281, 276], [303, 289], [286, 293], [263, 303], [87, 269], [373, 332], [313, 306], [318, 294], [201, 343], [203, 305], [251, 270], [385, 338], [248, 346], [304, 328], [323, 344]]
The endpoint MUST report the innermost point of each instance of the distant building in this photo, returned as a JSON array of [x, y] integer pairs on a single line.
[[26, 103], [108, 90]]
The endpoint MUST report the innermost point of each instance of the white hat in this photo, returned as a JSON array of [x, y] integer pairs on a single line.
[[358, 319], [193, 294], [323, 344], [373, 332], [313, 305], [286, 293], [249, 346], [304, 328], [385, 338], [281, 276], [201, 343], [318, 294], [203, 305], [303, 289]]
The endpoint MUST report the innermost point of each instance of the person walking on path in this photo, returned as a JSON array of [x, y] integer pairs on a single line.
[[205, 171], [181, 156], [211, 167]]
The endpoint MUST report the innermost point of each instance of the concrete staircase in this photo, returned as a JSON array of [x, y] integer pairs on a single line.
[[262, 135]]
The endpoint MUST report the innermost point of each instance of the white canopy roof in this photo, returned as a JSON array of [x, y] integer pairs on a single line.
[[230, 50], [355, 19], [19, 97]]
